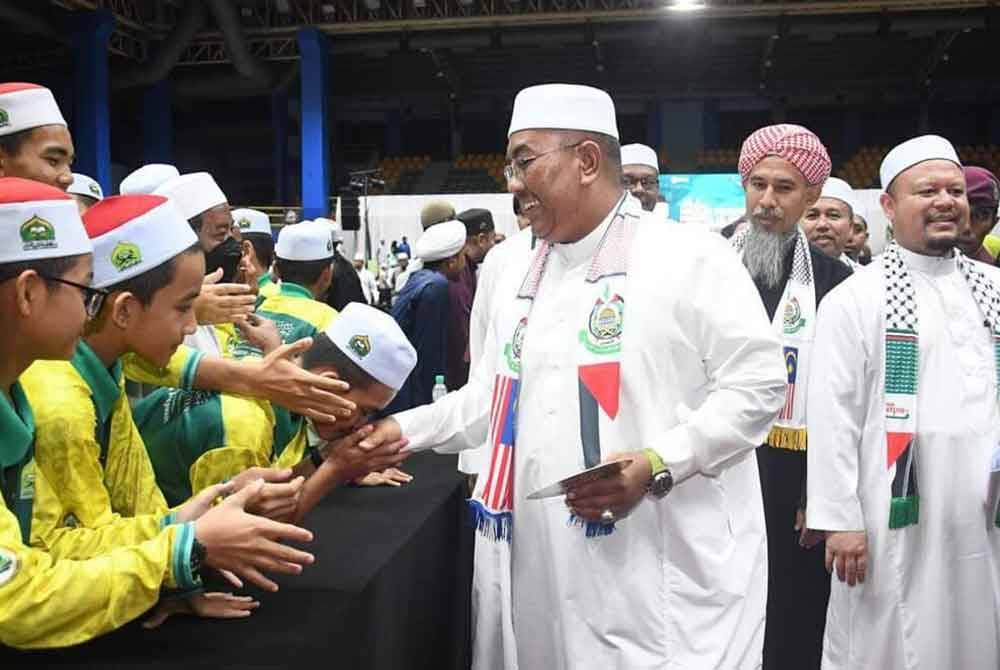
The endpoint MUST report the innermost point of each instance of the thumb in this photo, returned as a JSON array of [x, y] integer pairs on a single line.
[[213, 278], [247, 495]]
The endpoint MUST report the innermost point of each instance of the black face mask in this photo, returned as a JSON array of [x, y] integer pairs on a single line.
[[226, 256]]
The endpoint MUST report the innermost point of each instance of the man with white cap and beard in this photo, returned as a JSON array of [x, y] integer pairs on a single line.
[[904, 468], [663, 560], [783, 169], [641, 174], [828, 222]]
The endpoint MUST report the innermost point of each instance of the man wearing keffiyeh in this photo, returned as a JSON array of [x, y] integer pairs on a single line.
[[783, 168], [904, 468]]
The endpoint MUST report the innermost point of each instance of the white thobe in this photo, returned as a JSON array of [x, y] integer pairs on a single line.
[[500, 276], [369, 287], [930, 597], [681, 583]]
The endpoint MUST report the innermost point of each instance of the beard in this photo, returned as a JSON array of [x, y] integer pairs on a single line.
[[764, 254]]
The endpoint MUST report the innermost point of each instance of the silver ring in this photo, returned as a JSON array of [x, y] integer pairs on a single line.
[[607, 517]]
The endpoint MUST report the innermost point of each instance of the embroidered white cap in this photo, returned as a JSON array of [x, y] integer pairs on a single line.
[[335, 231], [359, 256], [252, 221], [441, 241], [916, 150], [840, 190], [564, 107], [372, 339], [640, 154], [147, 179], [192, 193], [402, 256], [25, 106], [38, 221], [306, 241], [84, 185], [133, 234]]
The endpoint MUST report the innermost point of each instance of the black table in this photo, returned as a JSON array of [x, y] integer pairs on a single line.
[[390, 589]]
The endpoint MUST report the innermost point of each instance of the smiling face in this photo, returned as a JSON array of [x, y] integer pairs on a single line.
[[643, 182], [927, 207], [45, 155], [827, 224], [216, 226]]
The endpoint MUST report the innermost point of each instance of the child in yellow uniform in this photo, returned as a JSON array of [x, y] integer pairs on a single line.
[[45, 269], [197, 439], [304, 264]]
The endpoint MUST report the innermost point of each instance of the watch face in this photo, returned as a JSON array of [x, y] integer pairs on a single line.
[[662, 483]]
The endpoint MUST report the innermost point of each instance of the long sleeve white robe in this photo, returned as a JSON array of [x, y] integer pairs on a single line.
[[681, 583], [930, 598]]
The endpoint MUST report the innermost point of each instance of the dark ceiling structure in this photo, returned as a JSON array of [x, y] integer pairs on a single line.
[[802, 51]]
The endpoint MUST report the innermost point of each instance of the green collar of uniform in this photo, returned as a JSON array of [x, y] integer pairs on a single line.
[[104, 383], [264, 280], [294, 290], [17, 426]]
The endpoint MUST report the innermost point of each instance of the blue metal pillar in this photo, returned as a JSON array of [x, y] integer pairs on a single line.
[[92, 123], [279, 143], [315, 123], [157, 124]]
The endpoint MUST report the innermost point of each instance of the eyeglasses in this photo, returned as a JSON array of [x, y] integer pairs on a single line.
[[648, 183], [93, 298], [518, 166]]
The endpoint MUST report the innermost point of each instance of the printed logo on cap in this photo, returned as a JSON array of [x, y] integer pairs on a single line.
[[329, 245], [243, 223], [125, 255], [361, 345], [96, 191], [4, 118], [37, 233]]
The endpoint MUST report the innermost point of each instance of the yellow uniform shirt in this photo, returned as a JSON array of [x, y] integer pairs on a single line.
[[92, 455], [46, 602], [294, 312]]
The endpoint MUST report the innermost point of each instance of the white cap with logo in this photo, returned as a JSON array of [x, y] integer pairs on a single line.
[[84, 185], [375, 342], [252, 221], [306, 241], [193, 193]]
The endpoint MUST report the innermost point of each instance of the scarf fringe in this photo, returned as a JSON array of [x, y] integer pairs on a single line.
[[495, 526], [593, 529], [904, 512], [786, 437]]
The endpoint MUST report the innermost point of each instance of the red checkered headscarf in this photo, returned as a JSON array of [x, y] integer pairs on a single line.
[[795, 144]]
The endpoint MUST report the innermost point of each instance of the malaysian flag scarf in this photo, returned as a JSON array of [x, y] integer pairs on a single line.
[[795, 323], [598, 345]]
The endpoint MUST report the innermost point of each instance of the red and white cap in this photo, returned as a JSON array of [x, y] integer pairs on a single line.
[[26, 106], [133, 234], [38, 221]]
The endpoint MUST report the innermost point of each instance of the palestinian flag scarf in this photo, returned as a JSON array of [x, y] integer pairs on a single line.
[[902, 365]]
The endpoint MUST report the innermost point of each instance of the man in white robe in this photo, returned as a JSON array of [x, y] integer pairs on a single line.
[[828, 223], [903, 461], [611, 577]]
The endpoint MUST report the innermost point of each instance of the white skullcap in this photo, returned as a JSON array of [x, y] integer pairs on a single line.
[[38, 221], [375, 342], [640, 154], [27, 106], [913, 151], [252, 221], [84, 185], [147, 179], [564, 107], [193, 193], [335, 230], [133, 234], [306, 241], [359, 256], [441, 241], [403, 256], [840, 190]]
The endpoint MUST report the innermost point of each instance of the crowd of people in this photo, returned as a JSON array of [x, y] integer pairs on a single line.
[[775, 501]]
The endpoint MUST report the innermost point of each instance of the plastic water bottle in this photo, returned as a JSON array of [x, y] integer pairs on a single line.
[[439, 390]]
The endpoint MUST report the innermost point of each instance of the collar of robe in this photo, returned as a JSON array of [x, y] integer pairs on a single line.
[[105, 383]]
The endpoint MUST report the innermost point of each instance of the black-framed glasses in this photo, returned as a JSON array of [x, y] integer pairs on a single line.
[[648, 183], [518, 166], [93, 298]]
